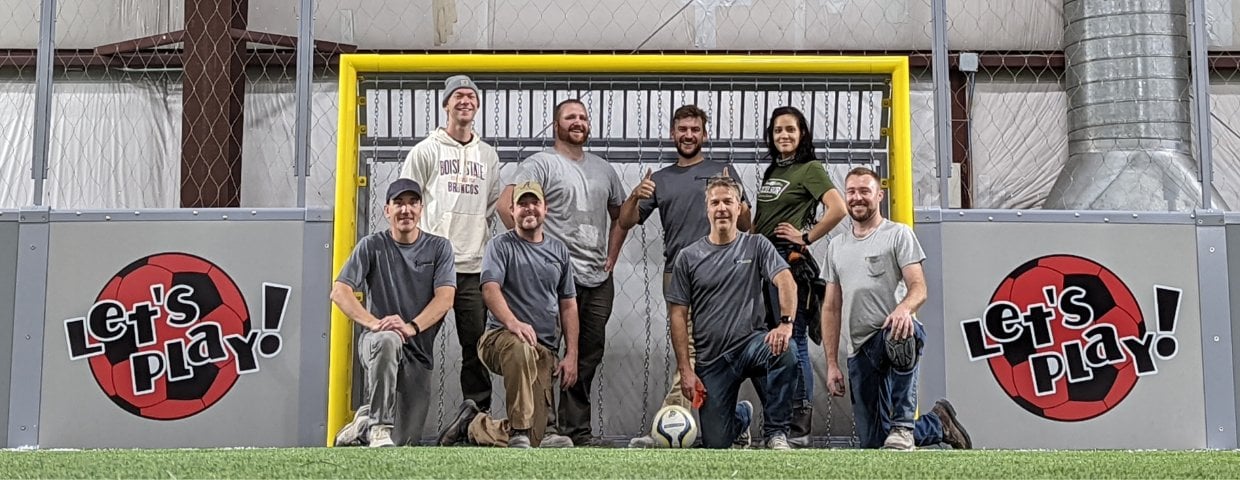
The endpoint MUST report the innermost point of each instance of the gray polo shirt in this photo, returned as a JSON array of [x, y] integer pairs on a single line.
[[869, 271], [400, 279], [722, 285], [680, 197], [578, 195], [534, 277]]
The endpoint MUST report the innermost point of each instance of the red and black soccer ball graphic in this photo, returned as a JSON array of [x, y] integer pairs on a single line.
[[218, 300], [1112, 303]]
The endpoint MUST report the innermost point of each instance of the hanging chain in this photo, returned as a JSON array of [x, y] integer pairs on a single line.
[[498, 131], [430, 120], [546, 108], [400, 115]]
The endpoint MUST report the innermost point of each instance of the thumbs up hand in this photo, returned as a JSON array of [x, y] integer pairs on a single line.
[[645, 189]]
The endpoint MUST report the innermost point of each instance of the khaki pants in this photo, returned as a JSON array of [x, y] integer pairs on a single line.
[[674, 396], [527, 372]]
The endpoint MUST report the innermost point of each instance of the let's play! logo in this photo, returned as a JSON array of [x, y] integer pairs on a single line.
[[1066, 339], [170, 333]]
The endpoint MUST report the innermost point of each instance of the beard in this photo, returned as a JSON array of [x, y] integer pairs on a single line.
[[680, 149], [862, 217], [566, 136], [534, 223]]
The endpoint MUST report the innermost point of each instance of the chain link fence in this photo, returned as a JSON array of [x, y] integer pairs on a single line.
[[1086, 105], [158, 104]]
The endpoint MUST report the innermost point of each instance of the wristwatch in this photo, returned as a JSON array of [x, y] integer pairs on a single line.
[[805, 238], [785, 319]]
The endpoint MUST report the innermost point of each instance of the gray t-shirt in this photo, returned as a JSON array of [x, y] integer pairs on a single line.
[[578, 196], [680, 196], [869, 271], [401, 279], [534, 277], [722, 285]]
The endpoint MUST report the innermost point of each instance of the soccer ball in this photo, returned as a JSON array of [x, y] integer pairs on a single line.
[[1112, 303], [674, 427], [219, 301]]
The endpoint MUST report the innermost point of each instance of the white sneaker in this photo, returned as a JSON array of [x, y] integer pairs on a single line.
[[900, 438], [556, 441], [381, 436], [643, 442], [351, 434], [778, 441]]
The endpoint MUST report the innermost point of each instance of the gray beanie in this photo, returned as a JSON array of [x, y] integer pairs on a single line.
[[457, 82]]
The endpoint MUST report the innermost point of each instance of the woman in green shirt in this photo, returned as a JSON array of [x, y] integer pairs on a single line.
[[793, 187]]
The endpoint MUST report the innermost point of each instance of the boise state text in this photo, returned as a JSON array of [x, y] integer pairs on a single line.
[[1066, 339]]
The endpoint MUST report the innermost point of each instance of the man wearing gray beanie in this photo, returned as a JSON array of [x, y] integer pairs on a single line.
[[460, 177]]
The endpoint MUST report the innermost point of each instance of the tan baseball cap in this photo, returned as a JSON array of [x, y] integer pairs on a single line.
[[527, 187]]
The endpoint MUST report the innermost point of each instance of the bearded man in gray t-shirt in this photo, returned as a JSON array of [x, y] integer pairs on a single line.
[[583, 194], [527, 284], [865, 268], [721, 278], [409, 278]]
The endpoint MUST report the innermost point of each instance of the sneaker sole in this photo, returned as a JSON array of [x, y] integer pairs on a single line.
[[951, 410]]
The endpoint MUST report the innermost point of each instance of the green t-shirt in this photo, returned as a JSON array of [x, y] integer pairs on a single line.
[[792, 194]]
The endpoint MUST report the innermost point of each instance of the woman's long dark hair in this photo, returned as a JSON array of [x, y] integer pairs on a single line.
[[805, 148]]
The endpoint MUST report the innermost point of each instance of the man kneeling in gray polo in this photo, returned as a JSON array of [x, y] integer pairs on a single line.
[[720, 278], [409, 278], [527, 284]]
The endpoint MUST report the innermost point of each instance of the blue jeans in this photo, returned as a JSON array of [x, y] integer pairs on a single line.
[[721, 421], [883, 397], [804, 394]]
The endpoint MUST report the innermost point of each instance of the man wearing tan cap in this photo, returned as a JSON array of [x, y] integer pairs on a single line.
[[584, 195], [527, 283], [461, 176]]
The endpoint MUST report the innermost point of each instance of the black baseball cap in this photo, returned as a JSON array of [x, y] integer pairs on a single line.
[[402, 185]]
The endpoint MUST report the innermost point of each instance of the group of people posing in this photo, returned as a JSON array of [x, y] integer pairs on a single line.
[[531, 304]]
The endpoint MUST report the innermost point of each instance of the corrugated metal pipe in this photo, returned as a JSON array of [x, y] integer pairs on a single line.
[[1129, 128]]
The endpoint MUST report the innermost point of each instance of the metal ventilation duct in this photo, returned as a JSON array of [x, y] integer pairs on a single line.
[[1129, 129]]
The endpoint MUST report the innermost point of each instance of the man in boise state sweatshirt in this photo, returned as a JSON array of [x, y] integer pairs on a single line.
[[460, 177]]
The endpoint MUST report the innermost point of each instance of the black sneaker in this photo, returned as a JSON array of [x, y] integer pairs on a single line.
[[457, 431], [954, 433]]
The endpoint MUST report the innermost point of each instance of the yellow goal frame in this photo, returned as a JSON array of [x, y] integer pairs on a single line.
[[352, 66]]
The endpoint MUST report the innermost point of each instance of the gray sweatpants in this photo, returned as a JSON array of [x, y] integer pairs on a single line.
[[397, 385]]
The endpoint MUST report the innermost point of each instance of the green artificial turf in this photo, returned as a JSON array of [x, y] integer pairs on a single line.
[[429, 462]]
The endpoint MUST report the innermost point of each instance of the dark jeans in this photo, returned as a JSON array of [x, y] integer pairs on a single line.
[[804, 394], [883, 397], [593, 311], [470, 325], [721, 421]]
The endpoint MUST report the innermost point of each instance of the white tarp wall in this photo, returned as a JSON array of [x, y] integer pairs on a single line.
[[116, 144]]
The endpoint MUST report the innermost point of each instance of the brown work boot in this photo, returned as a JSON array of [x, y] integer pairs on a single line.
[[954, 433]]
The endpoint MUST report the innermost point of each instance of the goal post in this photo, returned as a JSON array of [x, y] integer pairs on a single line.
[[351, 129]]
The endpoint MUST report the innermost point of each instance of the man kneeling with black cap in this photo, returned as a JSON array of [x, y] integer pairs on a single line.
[[410, 280]]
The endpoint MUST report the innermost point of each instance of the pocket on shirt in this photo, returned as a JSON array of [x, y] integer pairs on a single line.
[[877, 265]]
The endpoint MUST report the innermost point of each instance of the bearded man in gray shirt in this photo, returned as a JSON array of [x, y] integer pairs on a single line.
[[584, 195], [720, 277], [527, 284], [865, 268]]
